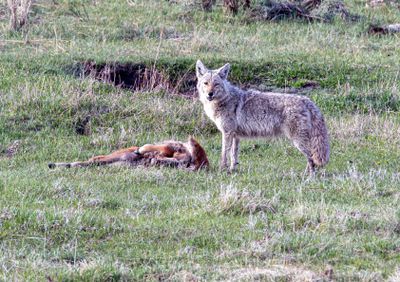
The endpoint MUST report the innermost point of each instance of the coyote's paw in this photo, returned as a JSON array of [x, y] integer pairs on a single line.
[[233, 167], [223, 167], [232, 170]]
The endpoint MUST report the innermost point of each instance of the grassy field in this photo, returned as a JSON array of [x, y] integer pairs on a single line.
[[267, 221]]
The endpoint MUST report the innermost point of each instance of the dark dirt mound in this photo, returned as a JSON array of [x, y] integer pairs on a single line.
[[127, 75], [384, 29], [321, 10], [137, 77]]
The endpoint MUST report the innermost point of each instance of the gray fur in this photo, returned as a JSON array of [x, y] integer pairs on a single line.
[[253, 114]]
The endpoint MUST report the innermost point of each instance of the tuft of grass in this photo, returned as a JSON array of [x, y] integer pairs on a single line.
[[19, 11], [233, 201]]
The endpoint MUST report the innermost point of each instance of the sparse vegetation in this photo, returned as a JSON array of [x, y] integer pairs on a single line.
[[231, 200], [19, 11], [265, 222]]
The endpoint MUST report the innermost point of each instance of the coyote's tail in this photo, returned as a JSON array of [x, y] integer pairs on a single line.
[[319, 138]]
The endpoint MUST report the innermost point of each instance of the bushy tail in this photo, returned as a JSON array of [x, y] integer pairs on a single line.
[[319, 138]]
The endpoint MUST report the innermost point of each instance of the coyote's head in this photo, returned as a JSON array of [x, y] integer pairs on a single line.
[[211, 84]]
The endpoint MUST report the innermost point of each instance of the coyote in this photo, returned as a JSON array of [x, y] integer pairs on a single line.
[[189, 155], [249, 113]]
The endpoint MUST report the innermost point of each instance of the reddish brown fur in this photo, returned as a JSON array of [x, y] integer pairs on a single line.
[[168, 153], [200, 159], [164, 150]]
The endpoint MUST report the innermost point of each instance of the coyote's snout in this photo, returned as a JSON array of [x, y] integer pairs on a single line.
[[249, 114], [189, 155]]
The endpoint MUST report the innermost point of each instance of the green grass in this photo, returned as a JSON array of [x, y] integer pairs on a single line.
[[267, 221]]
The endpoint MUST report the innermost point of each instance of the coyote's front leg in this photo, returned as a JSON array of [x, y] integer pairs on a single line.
[[227, 140], [234, 154]]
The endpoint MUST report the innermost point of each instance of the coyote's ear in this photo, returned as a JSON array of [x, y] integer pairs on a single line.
[[200, 69], [224, 71]]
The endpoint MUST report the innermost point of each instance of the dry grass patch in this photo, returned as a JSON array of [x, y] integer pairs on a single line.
[[395, 276], [309, 217], [273, 273], [183, 275], [356, 128], [234, 201], [19, 11]]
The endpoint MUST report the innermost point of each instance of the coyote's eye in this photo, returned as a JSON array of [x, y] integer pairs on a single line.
[[205, 82]]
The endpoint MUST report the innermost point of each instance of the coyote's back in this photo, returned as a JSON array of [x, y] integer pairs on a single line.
[[264, 114]]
